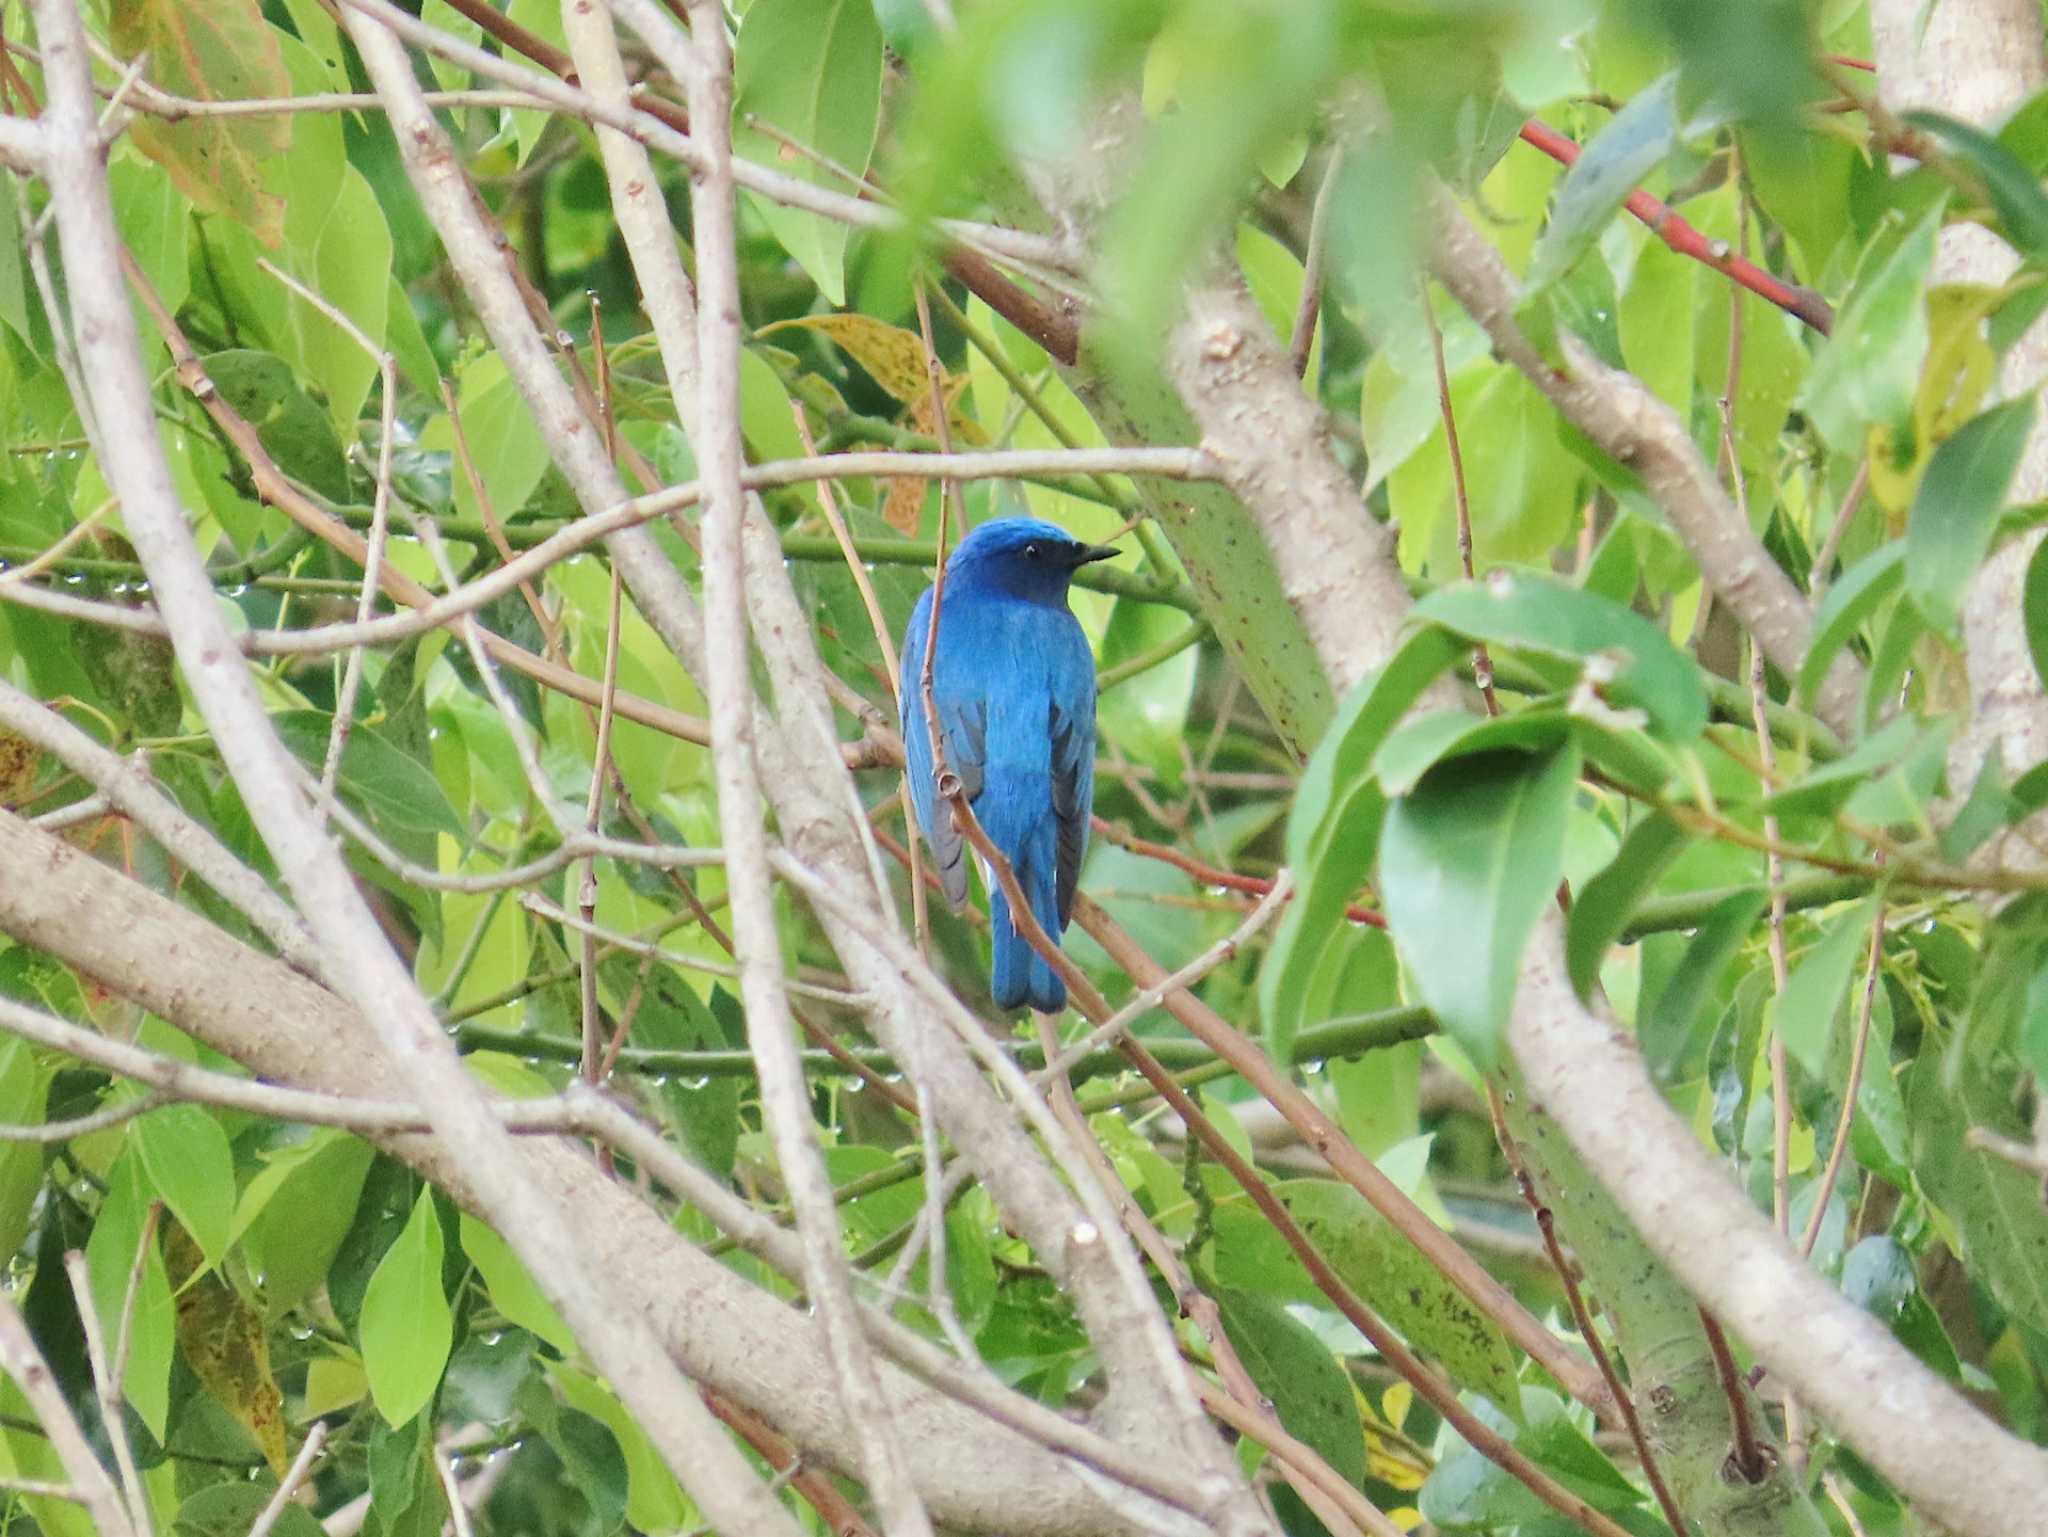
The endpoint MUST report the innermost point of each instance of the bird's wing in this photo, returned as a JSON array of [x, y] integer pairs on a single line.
[[1073, 761], [963, 730]]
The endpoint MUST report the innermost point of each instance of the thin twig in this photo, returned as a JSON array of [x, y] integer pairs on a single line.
[[295, 1477], [107, 1390], [1482, 660], [1582, 1317], [1839, 1146]]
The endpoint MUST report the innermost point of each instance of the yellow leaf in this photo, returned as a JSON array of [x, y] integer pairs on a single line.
[[223, 1342], [892, 355]]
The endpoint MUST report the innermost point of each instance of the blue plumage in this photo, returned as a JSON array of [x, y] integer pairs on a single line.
[[1014, 684]]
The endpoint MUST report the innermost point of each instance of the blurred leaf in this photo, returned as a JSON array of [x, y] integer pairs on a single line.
[[1958, 505], [231, 1509], [1468, 862], [1804, 1014], [407, 1327], [1530, 613], [1634, 143], [1667, 1026], [153, 1325], [1316, 915], [1468, 1492], [512, 1288], [212, 50], [24, 1097], [1604, 904], [1391, 1275], [222, 1339], [392, 789], [294, 429], [2034, 610], [2001, 1225], [811, 69], [1420, 743], [1296, 1372], [1850, 600], [2015, 190], [1864, 376], [591, 1456]]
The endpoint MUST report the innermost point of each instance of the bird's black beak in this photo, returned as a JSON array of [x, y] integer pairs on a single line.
[[1087, 554]]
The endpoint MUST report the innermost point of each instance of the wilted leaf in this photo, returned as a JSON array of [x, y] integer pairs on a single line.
[[223, 1341]]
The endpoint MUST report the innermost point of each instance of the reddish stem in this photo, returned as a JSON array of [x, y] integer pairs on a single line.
[[1670, 227]]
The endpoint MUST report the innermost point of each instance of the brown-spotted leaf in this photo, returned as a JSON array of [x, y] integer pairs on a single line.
[[892, 355], [222, 1340], [20, 759], [1391, 1275], [212, 50]]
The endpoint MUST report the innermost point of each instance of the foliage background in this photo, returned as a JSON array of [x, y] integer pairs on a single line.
[[1735, 491]]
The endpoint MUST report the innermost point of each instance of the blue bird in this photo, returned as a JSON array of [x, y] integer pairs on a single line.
[[1014, 685]]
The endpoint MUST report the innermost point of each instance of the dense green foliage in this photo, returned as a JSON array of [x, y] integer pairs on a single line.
[[282, 1275]]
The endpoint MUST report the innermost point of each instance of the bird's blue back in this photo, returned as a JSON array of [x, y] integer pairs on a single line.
[[1014, 683]]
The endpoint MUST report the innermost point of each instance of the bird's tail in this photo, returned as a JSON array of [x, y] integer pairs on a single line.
[[1020, 974]]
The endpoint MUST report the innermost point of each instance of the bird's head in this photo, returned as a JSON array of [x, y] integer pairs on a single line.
[[1026, 557]]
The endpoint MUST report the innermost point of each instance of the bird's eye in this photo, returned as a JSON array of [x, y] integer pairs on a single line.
[[1032, 552]]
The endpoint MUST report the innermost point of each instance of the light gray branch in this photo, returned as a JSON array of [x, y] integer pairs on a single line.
[[1625, 419], [357, 955], [975, 1474], [133, 793]]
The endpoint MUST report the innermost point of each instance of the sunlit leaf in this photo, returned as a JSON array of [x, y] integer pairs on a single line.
[[1958, 505], [407, 1327]]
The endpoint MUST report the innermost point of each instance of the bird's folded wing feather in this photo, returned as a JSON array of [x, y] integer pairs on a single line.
[[1073, 776]]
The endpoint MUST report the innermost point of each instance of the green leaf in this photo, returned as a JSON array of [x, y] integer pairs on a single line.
[[1296, 1372], [2015, 190], [1419, 745], [1804, 1014], [1389, 1273], [2001, 1225], [189, 1162], [298, 1211], [220, 51], [592, 1458], [394, 790], [2034, 610], [512, 1288], [1605, 903], [1665, 1028], [1371, 710], [1316, 915], [153, 1323], [1957, 507], [1468, 862], [1852, 599], [407, 1328], [1468, 1492], [811, 69], [1633, 144], [24, 1096], [1524, 612], [231, 1509], [1865, 375]]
